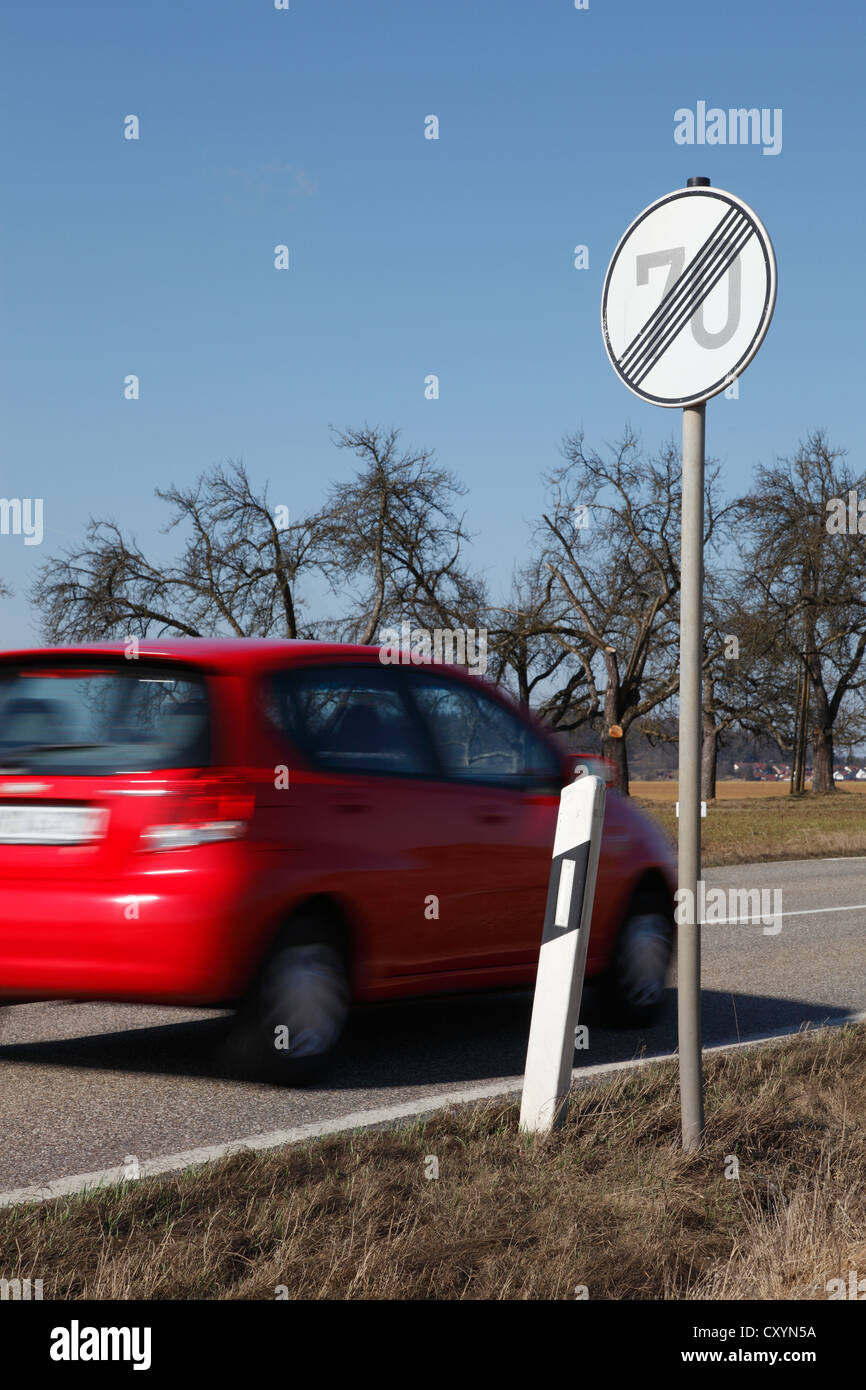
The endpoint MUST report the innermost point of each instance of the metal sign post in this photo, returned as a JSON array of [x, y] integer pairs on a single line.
[[689, 775], [677, 339]]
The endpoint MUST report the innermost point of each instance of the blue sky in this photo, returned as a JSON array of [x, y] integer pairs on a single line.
[[408, 256]]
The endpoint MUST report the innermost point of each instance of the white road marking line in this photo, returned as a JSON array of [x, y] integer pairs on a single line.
[[794, 912], [762, 863], [365, 1119]]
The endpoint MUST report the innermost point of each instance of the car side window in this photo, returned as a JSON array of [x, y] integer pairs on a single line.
[[349, 719], [477, 740]]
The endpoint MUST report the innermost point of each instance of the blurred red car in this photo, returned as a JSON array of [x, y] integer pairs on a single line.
[[288, 827]]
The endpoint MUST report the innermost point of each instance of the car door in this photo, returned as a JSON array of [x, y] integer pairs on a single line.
[[496, 800], [359, 820]]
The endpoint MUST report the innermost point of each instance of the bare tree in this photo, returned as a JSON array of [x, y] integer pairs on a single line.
[[525, 653], [237, 573], [745, 683], [397, 541], [388, 543], [809, 573], [610, 539]]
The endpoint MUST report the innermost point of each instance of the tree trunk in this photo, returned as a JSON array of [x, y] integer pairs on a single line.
[[822, 761], [822, 746], [522, 667], [709, 737], [613, 745], [802, 740], [709, 754], [614, 748], [795, 745]]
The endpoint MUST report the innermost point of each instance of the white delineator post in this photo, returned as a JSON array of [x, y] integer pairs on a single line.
[[561, 964]]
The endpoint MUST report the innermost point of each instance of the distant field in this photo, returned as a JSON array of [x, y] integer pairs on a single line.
[[752, 822], [726, 791]]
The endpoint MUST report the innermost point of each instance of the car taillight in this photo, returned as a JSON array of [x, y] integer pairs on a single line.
[[207, 810]]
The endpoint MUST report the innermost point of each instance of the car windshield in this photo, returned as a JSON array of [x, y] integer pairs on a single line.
[[87, 719]]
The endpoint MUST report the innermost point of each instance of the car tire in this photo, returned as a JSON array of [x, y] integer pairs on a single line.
[[289, 1029], [634, 985]]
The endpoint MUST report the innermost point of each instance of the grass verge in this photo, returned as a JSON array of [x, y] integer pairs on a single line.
[[745, 830], [608, 1203]]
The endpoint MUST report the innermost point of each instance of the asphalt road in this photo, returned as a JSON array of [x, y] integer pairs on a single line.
[[83, 1086]]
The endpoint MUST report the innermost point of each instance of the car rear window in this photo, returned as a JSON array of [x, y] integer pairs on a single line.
[[97, 718]]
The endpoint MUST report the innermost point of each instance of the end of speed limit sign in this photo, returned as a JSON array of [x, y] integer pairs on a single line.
[[688, 296]]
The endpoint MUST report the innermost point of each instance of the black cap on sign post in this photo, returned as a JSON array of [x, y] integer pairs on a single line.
[[688, 297]]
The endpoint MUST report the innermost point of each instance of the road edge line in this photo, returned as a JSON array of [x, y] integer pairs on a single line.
[[364, 1119]]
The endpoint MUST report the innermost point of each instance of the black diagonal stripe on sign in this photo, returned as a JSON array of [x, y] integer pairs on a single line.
[[681, 291], [694, 304], [686, 291], [680, 287], [579, 856]]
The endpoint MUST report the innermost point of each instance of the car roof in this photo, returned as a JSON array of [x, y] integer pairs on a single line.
[[235, 655], [245, 656], [222, 653]]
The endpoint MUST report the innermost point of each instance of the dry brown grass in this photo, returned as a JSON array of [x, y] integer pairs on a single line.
[[608, 1202], [759, 821]]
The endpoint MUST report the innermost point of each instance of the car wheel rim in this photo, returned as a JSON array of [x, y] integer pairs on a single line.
[[305, 992], [644, 959]]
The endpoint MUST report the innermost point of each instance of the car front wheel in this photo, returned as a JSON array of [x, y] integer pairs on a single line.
[[635, 982]]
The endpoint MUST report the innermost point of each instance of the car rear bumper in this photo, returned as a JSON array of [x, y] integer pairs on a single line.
[[167, 935]]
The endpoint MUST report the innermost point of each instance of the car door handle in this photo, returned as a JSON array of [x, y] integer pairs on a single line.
[[492, 817], [352, 808]]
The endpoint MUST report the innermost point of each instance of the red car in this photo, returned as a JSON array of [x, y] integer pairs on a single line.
[[287, 827]]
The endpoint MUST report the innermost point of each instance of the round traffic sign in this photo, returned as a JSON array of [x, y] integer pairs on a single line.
[[688, 296]]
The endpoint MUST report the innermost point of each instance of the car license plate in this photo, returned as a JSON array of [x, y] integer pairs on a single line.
[[51, 825]]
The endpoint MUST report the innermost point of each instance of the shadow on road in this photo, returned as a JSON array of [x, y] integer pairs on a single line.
[[427, 1042]]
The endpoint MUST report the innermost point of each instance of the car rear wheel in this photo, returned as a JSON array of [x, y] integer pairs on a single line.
[[293, 1021], [634, 987]]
